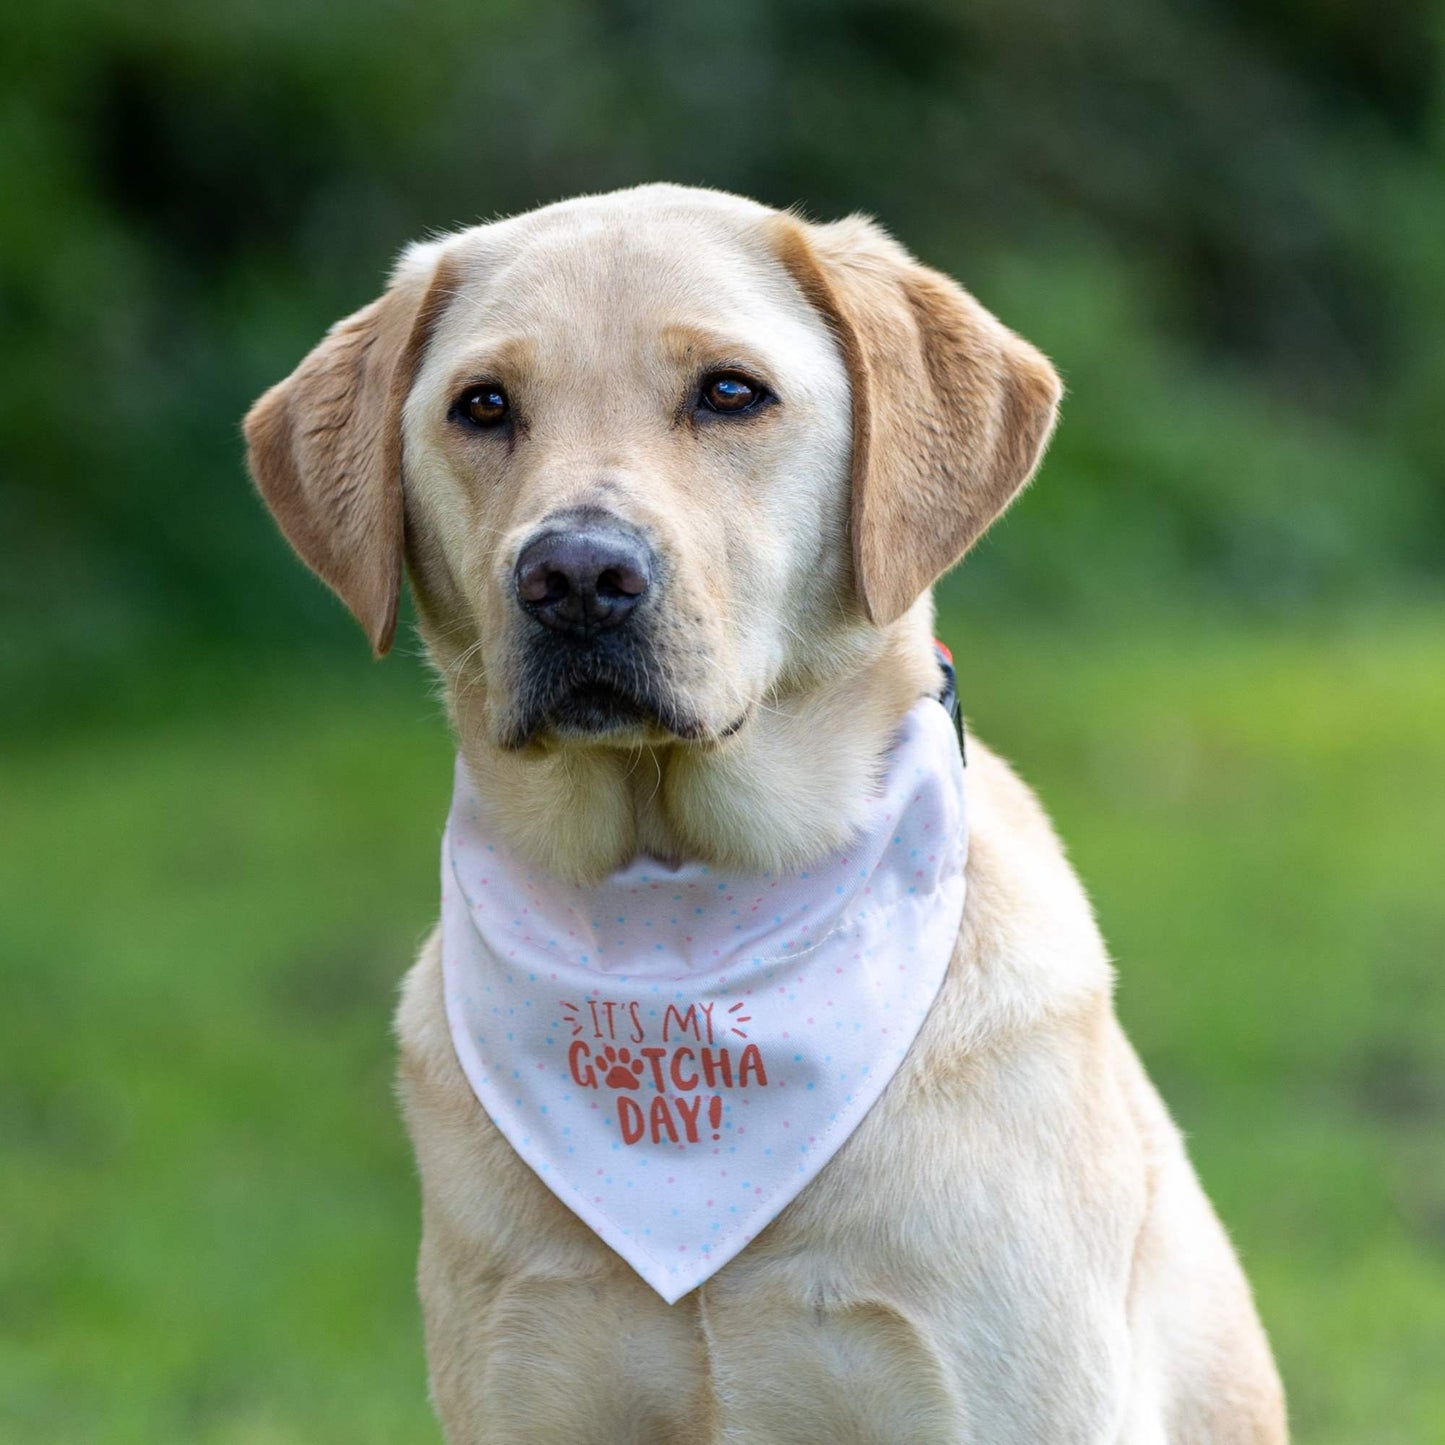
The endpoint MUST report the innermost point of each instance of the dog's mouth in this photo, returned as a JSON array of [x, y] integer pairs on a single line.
[[591, 708], [618, 696]]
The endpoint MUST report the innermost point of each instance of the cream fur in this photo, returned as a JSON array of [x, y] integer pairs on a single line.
[[1013, 1247]]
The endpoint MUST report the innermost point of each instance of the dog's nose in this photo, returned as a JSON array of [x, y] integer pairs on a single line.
[[580, 580]]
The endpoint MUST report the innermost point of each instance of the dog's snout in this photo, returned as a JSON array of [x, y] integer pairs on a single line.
[[584, 578]]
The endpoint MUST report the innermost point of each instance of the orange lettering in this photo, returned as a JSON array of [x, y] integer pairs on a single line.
[[686, 1022], [662, 1119], [655, 1058], [753, 1060], [717, 1064], [682, 1081], [629, 1118], [578, 1061], [689, 1116]]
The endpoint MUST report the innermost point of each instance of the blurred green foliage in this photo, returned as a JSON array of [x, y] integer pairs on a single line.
[[1222, 218]]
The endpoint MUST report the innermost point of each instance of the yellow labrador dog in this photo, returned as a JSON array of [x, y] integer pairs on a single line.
[[672, 475]]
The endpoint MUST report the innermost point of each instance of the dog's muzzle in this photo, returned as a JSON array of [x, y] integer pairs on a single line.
[[587, 583]]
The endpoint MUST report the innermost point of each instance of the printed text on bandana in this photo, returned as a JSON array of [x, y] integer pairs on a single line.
[[693, 1059]]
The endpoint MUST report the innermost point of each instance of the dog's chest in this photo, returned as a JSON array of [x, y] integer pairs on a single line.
[[954, 1274]]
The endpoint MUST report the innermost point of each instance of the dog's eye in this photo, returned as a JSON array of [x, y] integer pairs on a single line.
[[730, 392], [484, 406]]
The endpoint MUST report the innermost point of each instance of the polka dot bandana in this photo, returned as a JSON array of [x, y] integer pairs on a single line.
[[676, 1052]]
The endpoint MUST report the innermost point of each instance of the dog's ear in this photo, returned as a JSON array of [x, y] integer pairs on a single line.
[[951, 410], [324, 446]]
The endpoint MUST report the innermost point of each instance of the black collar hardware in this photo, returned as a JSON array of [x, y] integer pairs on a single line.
[[948, 695]]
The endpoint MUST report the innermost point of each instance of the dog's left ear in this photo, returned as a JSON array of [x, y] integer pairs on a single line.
[[324, 446], [951, 410]]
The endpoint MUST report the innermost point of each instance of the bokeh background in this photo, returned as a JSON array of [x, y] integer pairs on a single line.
[[1212, 635]]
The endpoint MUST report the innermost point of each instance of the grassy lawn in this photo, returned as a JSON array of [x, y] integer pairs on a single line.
[[207, 1211]]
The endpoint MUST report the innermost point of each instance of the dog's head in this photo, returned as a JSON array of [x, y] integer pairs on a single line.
[[653, 459]]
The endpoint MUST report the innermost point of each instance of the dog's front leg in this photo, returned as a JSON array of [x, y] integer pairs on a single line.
[[790, 1372], [536, 1361]]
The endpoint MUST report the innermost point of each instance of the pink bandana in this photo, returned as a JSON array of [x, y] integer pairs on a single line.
[[678, 1051]]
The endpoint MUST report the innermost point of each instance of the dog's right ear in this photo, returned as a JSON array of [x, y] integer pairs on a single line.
[[324, 446]]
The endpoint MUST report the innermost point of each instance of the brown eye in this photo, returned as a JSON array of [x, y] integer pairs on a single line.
[[483, 406], [730, 392]]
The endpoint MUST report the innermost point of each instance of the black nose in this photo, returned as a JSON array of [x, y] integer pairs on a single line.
[[581, 579]]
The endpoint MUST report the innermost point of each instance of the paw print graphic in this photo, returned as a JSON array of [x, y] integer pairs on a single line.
[[622, 1069]]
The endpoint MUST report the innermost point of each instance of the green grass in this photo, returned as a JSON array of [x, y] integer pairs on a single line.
[[207, 1210]]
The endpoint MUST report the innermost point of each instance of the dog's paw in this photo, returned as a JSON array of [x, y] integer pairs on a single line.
[[623, 1070]]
